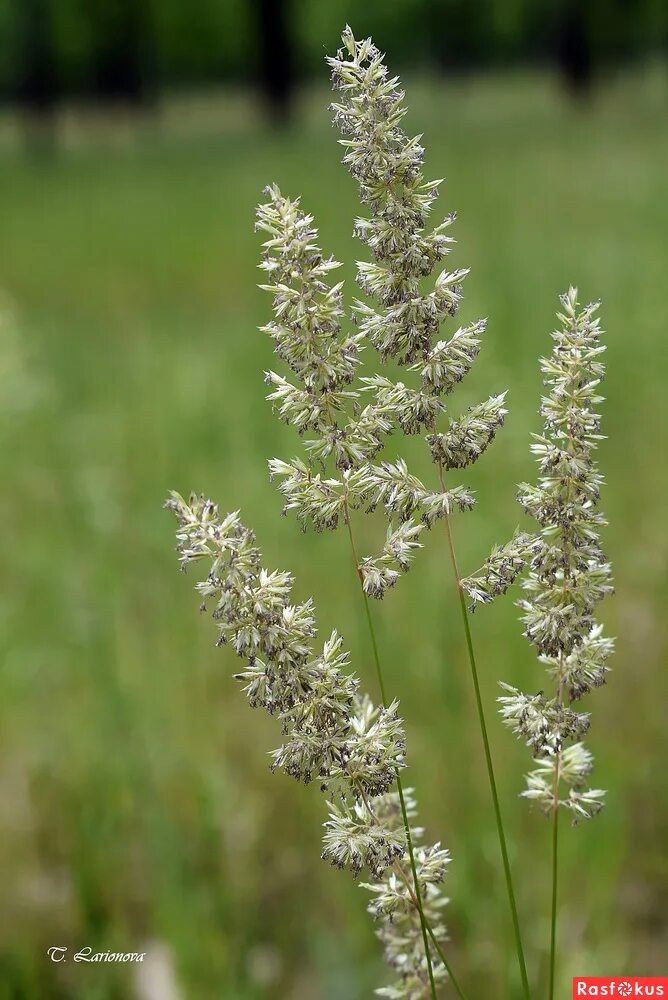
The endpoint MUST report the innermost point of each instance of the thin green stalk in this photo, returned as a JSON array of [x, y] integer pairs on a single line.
[[448, 968], [553, 921], [404, 813], [404, 878], [430, 932], [488, 756], [555, 841], [416, 884]]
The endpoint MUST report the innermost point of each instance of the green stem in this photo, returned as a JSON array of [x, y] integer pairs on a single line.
[[555, 840], [448, 968], [374, 646], [416, 884], [488, 756], [404, 812], [553, 921]]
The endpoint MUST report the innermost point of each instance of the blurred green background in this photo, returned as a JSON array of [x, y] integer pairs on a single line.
[[137, 811]]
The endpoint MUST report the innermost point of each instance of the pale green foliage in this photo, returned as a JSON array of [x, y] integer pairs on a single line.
[[23, 387]]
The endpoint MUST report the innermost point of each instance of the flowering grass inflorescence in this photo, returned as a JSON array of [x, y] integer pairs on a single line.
[[410, 294], [348, 419], [568, 576], [333, 733], [568, 573]]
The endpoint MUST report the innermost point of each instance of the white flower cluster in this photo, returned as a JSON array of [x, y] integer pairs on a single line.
[[575, 764], [467, 438], [343, 426], [333, 733], [500, 569], [387, 165], [403, 319], [378, 575], [568, 574], [393, 908], [349, 419], [543, 722]]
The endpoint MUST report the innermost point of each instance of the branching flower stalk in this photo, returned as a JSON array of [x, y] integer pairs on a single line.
[[341, 471], [403, 321], [333, 733], [415, 888], [502, 584], [307, 336], [569, 575]]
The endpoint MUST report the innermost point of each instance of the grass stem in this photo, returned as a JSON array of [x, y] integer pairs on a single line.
[[553, 917], [555, 842], [404, 812], [488, 755]]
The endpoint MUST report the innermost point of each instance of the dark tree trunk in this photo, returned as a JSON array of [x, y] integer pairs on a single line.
[[458, 33], [123, 63], [574, 55], [275, 63], [35, 86]]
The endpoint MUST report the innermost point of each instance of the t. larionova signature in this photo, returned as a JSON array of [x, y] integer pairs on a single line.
[[58, 953]]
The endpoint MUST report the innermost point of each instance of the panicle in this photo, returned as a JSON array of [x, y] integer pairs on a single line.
[[544, 723], [308, 308], [449, 361], [387, 165], [568, 572], [348, 419], [403, 494], [311, 692], [333, 733], [467, 438], [379, 574], [409, 295], [586, 666], [500, 570], [575, 765]]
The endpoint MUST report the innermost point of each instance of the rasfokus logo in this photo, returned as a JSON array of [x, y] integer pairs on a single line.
[[629, 986]]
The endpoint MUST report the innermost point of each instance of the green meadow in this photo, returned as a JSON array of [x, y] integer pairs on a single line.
[[137, 809]]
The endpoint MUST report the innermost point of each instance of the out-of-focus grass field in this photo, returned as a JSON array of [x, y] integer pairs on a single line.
[[136, 804]]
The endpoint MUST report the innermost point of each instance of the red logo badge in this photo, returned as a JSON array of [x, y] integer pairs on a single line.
[[620, 986]]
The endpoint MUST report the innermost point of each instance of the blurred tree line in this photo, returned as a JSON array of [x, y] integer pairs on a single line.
[[130, 50]]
